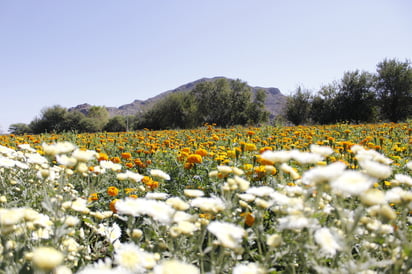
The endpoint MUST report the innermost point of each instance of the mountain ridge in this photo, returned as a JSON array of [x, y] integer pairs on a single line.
[[274, 102]]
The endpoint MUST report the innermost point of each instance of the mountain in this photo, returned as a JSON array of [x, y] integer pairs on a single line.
[[274, 102]]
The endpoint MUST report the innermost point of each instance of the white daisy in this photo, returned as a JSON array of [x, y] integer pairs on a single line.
[[228, 235], [328, 241], [352, 182]]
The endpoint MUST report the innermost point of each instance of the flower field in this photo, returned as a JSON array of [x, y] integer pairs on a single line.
[[306, 199]]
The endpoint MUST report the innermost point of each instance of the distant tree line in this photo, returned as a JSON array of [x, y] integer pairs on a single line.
[[224, 102], [359, 97]]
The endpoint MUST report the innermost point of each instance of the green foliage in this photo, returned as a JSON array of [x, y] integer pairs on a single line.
[[99, 115], [359, 97], [356, 99], [224, 102], [323, 108], [298, 106], [116, 124], [51, 120], [19, 128], [72, 120], [394, 87]]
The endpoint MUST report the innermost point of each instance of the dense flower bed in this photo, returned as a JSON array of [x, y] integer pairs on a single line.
[[244, 200]]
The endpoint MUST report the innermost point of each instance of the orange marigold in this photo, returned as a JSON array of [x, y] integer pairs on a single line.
[[201, 152], [249, 218], [194, 159], [112, 205], [126, 155], [112, 191], [115, 160], [103, 157], [93, 197]]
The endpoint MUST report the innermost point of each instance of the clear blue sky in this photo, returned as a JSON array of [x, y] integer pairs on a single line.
[[111, 52]]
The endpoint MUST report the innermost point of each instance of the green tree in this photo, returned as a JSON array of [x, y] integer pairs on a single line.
[[116, 124], [323, 108], [394, 88], [169, 112], [72, 120], [355, 101], [19, 128], [51, 120], [256, 112], [100, 115], [298, 106], [89, 125]]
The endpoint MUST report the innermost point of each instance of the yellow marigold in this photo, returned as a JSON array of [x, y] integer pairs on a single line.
[[129, 165], [112, 191], [126, 155], [250, 147], [115, 160], [102, 157], [188, 165], [129, 190], [139, 162], [249, 218], [194, 159], [263, 149], [201, 151], [112, 205], [146, 180], [133, 196], [93, 197]]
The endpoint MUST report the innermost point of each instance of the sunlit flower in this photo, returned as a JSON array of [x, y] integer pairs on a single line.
[[193, 193], [211, 204], [112, 191], [247, 197], [352, 183], [158, 210], [84, 155], [112, 233], [328, 241], [47, 258], [290, 170], [376, 169], [398, 195], [11, 216], [321, 150], [296, 222], [194, 159], [177, 203], [133, 258], [260, 191], [110, 165], [403, 179], [243, 184], [79, 205], [159, 174], [274, 240], [156, 195], [228, 235], [59, 148], [248, 268], [306, 157], [323, 174], [129, 175], [373, 197], [276, 156], [174, 267], [66, 161]]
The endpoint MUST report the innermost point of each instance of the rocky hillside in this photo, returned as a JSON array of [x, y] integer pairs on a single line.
[[274, 103]]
